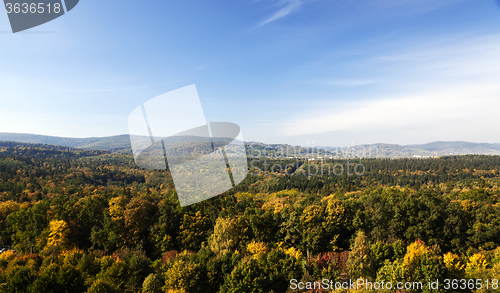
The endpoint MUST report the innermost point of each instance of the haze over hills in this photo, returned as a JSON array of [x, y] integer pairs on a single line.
[[118, 143], [458, 148], [121, 144]]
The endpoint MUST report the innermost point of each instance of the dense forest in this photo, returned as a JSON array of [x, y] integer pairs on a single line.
[[92, 221]]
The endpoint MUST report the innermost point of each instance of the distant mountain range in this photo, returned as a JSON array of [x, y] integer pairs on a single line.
[[117, 144], [457, 148], [121, 144]]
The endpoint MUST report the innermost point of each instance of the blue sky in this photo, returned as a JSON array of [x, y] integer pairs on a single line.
[[317, 72]]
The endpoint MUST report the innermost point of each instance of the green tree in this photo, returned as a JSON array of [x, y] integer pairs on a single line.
[[184, 275], [139, 215], [194, 230], [246, 277], [102, 286], [360, 262], [152, 284], [314, 236]]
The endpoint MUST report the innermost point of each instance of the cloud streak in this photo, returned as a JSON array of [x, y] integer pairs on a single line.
[[430, 109], [449, 87], [287, 7]]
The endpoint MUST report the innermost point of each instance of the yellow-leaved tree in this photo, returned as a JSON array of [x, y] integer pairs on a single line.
[[182, 277], [225, 236], [256, 248], [117, 208], [420, 264], [453, 264], [58, 233], [477, 263], [6, 208]]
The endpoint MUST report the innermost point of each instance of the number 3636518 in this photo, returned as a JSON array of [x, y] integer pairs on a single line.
[[33, 8]]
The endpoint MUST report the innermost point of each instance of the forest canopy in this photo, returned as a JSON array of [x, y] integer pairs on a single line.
[[91, 221]]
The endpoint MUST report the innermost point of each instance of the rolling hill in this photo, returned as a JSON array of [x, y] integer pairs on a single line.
[[121, 144], [118, 143]]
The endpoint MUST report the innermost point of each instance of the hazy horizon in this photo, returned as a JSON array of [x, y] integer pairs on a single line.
[[269, 143]]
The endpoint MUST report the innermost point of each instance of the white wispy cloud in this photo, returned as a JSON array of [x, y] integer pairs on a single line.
[[449, 87], [430, 109], [286, 7]]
